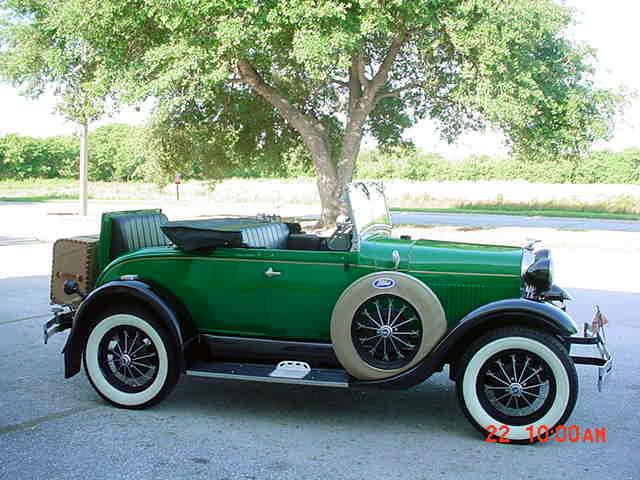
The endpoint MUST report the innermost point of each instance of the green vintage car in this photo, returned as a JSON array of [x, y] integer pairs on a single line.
[[258, 299]]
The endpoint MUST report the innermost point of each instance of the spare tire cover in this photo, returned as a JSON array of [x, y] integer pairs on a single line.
[[420, 297]]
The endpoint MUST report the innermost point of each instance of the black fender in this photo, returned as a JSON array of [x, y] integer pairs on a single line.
[[517, 311], [158, 300]]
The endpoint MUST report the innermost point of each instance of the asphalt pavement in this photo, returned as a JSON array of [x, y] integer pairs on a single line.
[[211, 429], [484, 220], [60, 429]]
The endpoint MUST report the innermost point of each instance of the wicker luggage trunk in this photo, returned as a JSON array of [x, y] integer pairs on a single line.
[[74, 258]]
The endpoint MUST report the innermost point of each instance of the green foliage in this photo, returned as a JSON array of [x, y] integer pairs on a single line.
[[121, 152], [37, 53], [596, 167], [28, 157], [247, 139], [467, 64], [116, 152]]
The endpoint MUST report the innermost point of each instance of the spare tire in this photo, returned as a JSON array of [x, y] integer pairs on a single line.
[[385, 323]]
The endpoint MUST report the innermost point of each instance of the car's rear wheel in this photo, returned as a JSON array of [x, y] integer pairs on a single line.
[[130, 358], [518, 384], [384, 324]]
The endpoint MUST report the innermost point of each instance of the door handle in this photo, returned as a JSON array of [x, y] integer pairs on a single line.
[[272, 273]]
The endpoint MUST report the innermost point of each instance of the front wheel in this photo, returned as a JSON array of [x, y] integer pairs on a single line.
[[517, 382], [130, 358]]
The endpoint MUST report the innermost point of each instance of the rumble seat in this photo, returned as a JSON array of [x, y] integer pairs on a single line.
[[136, 230], [270, 235]]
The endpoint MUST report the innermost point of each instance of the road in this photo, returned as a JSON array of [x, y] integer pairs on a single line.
[[476, 220], [60, 429], [52, 220]]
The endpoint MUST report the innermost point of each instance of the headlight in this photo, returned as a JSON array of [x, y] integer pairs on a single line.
[[539, 274], [528, 257]]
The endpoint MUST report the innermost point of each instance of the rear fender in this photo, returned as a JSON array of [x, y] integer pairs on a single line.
[[518, 311], [159, 301]]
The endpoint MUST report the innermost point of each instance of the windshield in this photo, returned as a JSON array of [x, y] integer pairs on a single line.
[[368, 207]]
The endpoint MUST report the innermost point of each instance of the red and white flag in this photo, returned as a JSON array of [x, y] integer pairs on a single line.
[[599, 320]]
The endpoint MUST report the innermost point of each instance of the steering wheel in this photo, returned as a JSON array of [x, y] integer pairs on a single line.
[[340, 239]]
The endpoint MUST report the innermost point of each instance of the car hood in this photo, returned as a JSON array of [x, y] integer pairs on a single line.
[[436, 256]]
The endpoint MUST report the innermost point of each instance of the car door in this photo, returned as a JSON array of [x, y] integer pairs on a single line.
[[231, 293], [301, 289]]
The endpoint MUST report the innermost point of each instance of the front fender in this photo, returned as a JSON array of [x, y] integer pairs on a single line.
[[118, 291], [517, 311]]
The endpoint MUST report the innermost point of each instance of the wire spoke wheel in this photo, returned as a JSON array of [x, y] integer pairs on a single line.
[[516, 386], [128, 358], [386, 332], [519, 377]]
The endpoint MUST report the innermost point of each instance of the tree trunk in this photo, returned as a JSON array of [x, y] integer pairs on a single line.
[[330, 187], [84, 167], [314, 137], [363, 96]]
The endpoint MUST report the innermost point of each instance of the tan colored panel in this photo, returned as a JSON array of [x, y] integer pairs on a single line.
[[74, 258]]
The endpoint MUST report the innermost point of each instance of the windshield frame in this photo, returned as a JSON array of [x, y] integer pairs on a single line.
[[368, 211]]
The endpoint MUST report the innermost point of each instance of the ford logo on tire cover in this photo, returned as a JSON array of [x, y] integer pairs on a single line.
[[381, 283]]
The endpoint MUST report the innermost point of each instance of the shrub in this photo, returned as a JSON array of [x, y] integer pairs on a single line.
[[597, 167]]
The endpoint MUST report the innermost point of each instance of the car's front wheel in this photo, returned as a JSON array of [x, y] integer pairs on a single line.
[[517, 384], [130, 358]]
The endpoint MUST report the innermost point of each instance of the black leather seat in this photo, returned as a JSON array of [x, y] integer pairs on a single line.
[[270, 235], [131, 231]]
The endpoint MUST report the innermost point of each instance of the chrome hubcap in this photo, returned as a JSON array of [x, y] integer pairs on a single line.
[[385, 331], [128, 358], [516, 384], [516, 389]]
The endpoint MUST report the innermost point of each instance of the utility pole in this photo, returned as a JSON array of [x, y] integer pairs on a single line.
[[84, 167]]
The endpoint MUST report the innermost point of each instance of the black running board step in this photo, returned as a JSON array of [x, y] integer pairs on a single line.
[[257, 372]]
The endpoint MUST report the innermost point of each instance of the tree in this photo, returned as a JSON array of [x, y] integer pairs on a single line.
[[36, 54], [326, 73]]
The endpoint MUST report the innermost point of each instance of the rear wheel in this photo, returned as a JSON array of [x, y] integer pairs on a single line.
[[130, 358], [517, 382]]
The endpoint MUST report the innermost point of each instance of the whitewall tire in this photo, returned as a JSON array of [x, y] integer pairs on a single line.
[[517, 382], [130, 359]]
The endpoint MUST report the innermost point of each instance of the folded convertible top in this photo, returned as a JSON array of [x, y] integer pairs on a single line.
[[190, 235]]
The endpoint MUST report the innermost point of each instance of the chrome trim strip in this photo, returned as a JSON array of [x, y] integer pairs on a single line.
[[476, 274], [254, 260], [200, 373], [268, 341], [290, 262], [433, 272]]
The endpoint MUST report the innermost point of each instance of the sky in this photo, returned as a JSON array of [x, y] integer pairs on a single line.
[[608, 26]]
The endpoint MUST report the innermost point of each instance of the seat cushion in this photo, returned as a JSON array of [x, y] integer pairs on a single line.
[[270, 235], [303, 241], [136, 230]]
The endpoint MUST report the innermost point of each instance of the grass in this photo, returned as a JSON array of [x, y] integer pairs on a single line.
[[530, 211], [44, 190], [40, 198], [605, 202]]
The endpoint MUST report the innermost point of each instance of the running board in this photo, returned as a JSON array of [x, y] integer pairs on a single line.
[[257, 372]]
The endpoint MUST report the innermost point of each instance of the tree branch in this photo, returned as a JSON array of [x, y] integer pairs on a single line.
[[381, 76], [313, 133], [339, 82], [398, 91], [359, 65], [251, 77]]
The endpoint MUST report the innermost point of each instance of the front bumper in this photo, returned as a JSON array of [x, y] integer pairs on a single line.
[[594, 334]]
